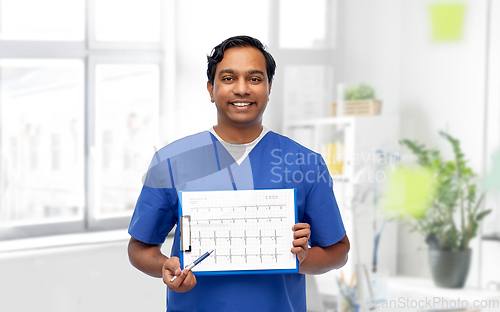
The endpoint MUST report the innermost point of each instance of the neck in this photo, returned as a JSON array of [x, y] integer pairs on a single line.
[[238, 135]]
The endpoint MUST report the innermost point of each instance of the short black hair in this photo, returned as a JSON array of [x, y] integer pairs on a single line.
[[217, 54]]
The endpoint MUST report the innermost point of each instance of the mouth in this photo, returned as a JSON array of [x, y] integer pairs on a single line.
[[241, 104]]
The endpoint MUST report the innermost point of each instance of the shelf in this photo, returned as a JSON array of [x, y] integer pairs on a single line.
[[492, 237], [361, 137], [345, 120], [340, 178]]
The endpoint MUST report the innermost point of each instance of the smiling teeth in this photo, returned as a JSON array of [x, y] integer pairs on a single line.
[[241, 104]]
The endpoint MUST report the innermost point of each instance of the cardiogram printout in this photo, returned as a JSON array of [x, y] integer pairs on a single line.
[[250, 230]]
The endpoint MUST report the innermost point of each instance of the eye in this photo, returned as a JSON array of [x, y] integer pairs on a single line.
[[227, 79], [255, 79]]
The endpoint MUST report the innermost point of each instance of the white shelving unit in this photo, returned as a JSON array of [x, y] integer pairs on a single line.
[[362, 138]]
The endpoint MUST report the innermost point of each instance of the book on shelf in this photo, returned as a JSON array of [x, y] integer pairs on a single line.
[[333, 154]]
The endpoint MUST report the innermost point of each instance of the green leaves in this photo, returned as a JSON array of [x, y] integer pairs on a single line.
[[454, 196], [361, 92], [482, 214]]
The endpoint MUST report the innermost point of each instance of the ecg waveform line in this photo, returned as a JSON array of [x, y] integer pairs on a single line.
[[234, 219], [245, 255], [234, 208], [230, 237]]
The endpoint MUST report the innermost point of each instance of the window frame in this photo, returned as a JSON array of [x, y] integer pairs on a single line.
[[107, 45], [91, 209], [91, 53]]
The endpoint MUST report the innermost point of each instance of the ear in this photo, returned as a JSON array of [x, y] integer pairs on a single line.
[[210, 88], [269, 88]]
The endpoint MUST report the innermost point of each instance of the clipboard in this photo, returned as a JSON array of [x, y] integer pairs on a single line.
[[250, 230]]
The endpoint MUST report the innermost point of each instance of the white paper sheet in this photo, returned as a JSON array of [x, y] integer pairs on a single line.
[[249, 229]]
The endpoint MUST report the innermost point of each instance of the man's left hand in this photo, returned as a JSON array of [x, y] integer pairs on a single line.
[[300, 240]]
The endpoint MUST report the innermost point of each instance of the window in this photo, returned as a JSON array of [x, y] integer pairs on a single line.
[[112, 21], [79, 97], [305, 35], [303, 25], [127, 98], [48, 20], [41, 101]]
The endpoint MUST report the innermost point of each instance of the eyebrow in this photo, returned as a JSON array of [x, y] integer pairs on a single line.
[[250, 72], [255, 71]]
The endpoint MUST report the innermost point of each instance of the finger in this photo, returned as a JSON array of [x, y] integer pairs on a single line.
[[300, 226], [170, 275], [300, 252], [178, 281], [171, 268], [184, 276], [179, 275], [296, 250], [300, 242], [172, 264], [302, 233], [189, 281]]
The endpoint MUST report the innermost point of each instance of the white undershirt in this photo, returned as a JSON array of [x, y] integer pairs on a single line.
[[240, 151]]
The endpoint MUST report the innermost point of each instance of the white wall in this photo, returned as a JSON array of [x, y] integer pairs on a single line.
[[442, 83], [432, 86], [442, 88], [95, 277], [370, 40]]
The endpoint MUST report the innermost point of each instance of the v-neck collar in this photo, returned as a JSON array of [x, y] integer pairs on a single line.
[[216, 138]]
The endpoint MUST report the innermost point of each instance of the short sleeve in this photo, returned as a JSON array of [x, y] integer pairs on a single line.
[[322, 212], [155, 211]]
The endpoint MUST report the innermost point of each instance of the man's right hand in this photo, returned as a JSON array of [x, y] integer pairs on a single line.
[[185, 280]]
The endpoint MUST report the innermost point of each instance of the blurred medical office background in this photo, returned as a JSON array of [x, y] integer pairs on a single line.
[[90, 89]]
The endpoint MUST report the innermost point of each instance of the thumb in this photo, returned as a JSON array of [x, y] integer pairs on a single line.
[[173, 264]]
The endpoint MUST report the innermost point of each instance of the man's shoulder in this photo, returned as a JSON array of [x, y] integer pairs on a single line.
[[185, 144]]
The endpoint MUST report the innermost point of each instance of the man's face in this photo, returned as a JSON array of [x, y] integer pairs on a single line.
[[241, 88]]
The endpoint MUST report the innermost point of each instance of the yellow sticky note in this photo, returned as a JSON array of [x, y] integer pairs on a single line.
[[447, 20], [409, 191]]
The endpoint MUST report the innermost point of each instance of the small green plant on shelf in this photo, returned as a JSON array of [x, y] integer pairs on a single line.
[[361, 92]]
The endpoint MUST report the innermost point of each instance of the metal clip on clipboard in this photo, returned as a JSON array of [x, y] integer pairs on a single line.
[[185, 233]]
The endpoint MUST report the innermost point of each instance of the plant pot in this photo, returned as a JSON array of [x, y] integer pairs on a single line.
[[449, 268], [358, 108]]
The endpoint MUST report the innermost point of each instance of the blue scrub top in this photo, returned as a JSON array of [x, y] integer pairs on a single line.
[[200, 162]]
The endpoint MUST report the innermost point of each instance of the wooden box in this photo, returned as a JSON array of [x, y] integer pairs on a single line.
[[359, 108]]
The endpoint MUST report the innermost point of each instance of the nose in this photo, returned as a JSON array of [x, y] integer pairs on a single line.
[[241, 87]]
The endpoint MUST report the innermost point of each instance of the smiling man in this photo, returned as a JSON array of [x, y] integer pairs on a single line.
[[240, 89], [238, 154]]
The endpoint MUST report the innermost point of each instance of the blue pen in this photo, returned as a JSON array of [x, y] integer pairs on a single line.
[[195, 262]]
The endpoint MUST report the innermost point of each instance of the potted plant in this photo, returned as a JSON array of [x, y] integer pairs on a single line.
[[452, 212], [361, 92], [359, 101]]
